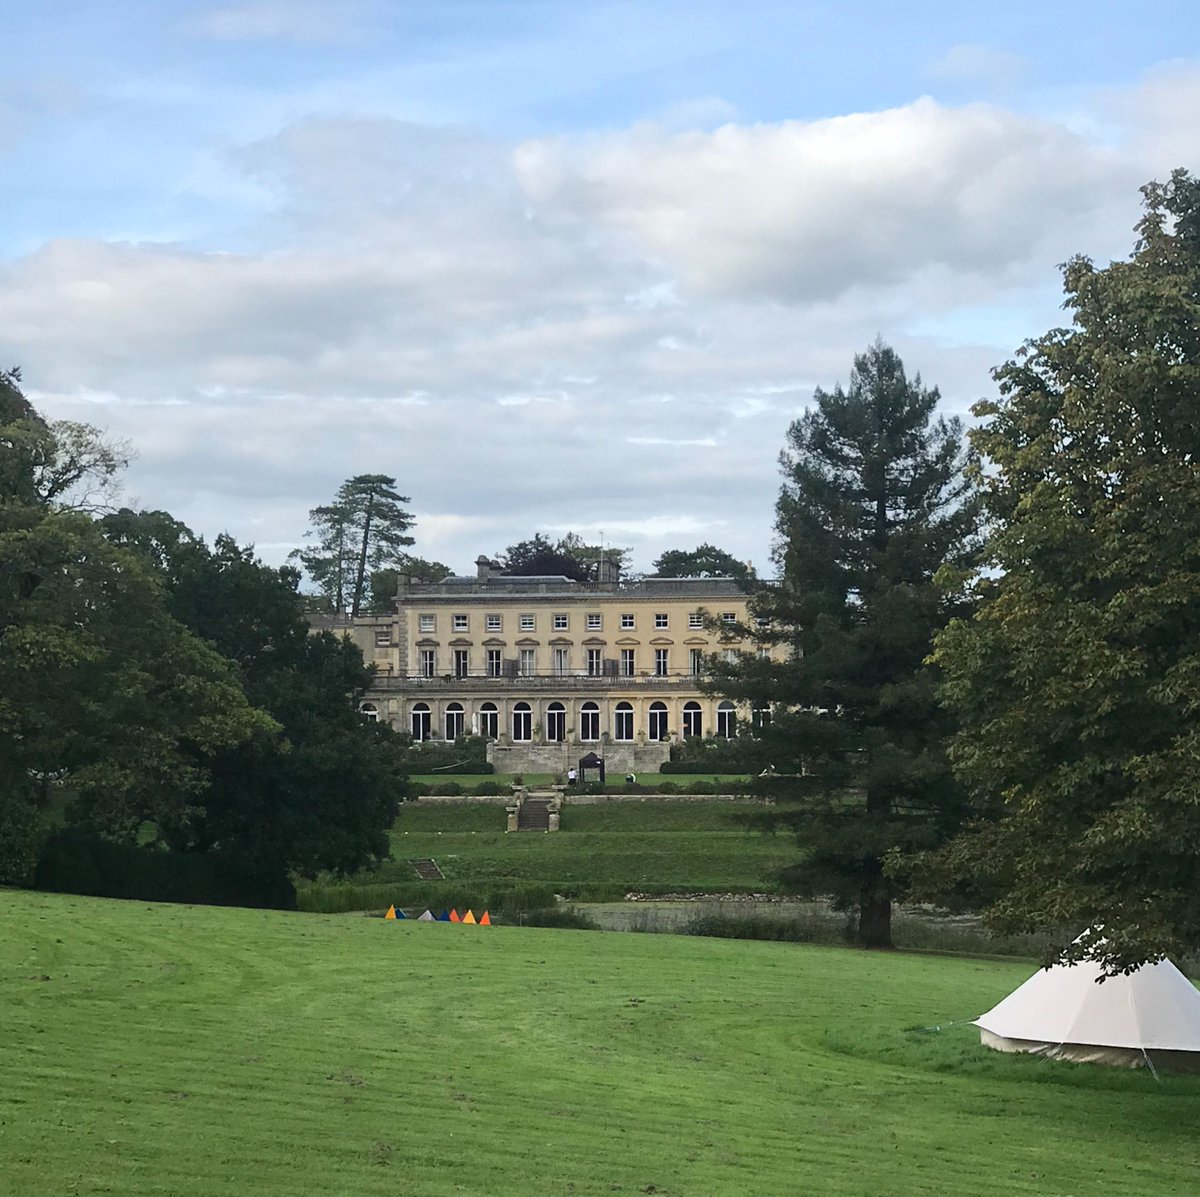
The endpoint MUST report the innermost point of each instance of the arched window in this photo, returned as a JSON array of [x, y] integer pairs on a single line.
[[556, 722], [589, 722], [420, 722], [726, 720], [454, 721], [693, 718], [489, 720], [522, 722], [623, 721], [658, 721], [369, 711]]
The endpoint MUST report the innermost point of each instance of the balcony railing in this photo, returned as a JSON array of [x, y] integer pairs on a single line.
[[535, 681]]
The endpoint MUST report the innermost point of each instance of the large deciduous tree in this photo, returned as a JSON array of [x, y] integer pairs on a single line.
[[106, 701], [704, 561], [874, 502], [570, 555], [364, 529], [320, 793], [1078, 679]]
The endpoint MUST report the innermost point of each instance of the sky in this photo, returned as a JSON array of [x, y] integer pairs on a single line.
[[552, 264]]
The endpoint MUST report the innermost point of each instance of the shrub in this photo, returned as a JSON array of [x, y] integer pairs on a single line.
[[445, 789], [76, 862], [566, 917], [489, 789]]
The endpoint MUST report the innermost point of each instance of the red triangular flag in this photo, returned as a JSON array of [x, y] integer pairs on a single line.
[[485, 919], [454, 917]]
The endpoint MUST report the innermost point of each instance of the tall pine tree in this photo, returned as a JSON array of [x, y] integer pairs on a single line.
[[874, 502], [364, 529]]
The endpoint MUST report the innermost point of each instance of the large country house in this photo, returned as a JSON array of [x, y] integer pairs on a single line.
[[549, 668]]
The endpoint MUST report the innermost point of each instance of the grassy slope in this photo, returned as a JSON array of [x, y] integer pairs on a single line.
[[688, 845], [184, 1051]]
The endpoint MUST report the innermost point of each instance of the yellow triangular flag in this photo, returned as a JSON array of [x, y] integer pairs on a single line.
[[469, 917], [391, 914]]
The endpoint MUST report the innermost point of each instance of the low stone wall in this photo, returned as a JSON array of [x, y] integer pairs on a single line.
[[558, 758]]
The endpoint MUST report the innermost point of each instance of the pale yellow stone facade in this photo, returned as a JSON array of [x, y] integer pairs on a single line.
[[547, 661]]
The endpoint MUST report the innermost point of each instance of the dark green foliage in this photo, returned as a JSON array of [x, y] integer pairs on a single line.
[[76, 862], [564, 917], [568, 556], [1078, 680], [704, 561], [874, 503], [320, 793], [769, 927], [364, 529], [739, 754], [21, 835], [445, 789], [467, 754]]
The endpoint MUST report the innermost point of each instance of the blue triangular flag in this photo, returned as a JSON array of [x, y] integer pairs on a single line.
[[444, 917]]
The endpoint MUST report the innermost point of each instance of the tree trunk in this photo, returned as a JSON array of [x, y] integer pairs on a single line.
[[874, 920], [360, 577]]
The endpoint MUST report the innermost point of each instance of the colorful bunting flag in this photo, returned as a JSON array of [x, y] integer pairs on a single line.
[[444, 917], [391, 914], [485, 919], [401, 915], [427, 917], [454, 917], [469, 917]]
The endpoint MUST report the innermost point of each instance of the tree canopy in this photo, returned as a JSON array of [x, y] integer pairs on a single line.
[[569, 556], [321, 791], [364, 529], [704, 561], [872, 505], [1078, 679]]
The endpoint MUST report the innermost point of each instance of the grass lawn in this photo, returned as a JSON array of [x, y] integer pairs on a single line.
[[153, 1049], [672, 844]]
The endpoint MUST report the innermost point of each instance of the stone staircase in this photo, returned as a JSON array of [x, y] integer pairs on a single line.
[[534, 814], [427, 869]]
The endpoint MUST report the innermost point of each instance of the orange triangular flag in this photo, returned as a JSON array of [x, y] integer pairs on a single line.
[[391, 914], [469, 917], [454, 917], [485, 919]]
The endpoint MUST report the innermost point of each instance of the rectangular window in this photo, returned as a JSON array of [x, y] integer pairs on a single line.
[[662, 619], [525, 663], [593, 621], [696, 661], [627, 662], [595, 666], [695, 619], [660, 662], [428, 662], [762, 621], [495, 623], [764, 653], [494, 666], [460, 623], [461, 663], [562, 661], [627, 622], [527, 623], [383, 637], [561, 623], [729, 617], [730, 655], [427, 623]]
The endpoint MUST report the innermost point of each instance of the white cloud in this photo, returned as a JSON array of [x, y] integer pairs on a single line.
[[976, 63], [602, 332], [272, 20]]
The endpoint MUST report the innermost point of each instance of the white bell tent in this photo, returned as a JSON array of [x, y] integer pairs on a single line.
[[1150, 1016]]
